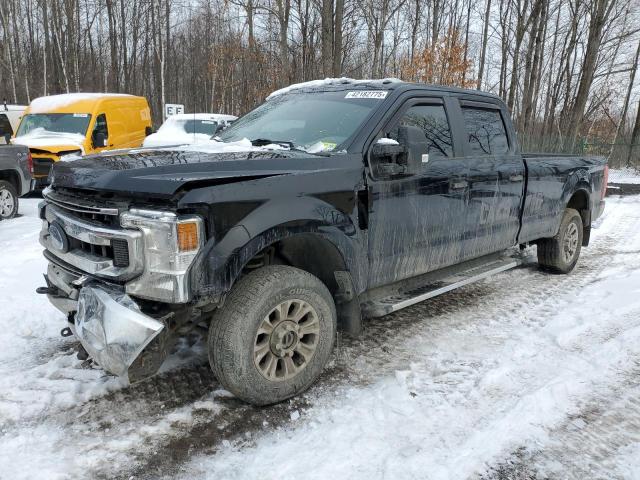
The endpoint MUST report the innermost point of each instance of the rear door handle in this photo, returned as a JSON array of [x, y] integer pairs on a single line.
[[458, 185], [516, 178]]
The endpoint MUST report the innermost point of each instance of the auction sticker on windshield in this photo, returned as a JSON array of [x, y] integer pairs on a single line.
[[377, 94]]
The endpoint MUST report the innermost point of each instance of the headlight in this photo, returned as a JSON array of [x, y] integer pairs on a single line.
[[171, 242]]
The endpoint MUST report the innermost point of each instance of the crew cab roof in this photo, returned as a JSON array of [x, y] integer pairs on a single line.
[[390, 84]]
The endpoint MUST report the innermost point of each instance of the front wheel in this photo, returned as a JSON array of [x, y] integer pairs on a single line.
[[273, 336], [560, 253], [8, 200]]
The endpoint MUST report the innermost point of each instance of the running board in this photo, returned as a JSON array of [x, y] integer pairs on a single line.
[[402, 299]]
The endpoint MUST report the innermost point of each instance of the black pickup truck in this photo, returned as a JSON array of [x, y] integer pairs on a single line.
[[330, 202]]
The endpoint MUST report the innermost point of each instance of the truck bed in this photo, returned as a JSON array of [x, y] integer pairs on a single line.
[[551, 179]]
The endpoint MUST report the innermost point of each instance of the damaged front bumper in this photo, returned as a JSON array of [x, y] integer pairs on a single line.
[[113, 329], [109, 324]]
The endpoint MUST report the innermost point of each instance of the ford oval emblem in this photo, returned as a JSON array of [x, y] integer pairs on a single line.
[[59, 239]]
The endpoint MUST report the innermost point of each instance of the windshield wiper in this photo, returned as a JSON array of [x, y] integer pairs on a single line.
[[261, 142]]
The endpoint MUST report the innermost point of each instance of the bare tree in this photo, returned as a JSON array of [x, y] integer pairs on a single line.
[[564, 66]]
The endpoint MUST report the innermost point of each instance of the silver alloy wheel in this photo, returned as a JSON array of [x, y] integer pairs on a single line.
[[570, 242], [286, 340], [7, 203]]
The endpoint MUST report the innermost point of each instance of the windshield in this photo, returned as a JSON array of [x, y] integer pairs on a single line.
[[55, 122], [318, 122]]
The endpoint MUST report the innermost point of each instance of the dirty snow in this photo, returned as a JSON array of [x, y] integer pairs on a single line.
[[55, 102], [521, 367]]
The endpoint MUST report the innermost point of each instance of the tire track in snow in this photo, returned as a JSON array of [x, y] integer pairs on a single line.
[[594, 443], [601, 440]]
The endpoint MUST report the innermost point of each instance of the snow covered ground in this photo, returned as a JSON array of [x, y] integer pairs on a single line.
[[523, 375], [626, 175]]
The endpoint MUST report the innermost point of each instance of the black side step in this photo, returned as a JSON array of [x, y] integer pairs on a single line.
[[450, 280]]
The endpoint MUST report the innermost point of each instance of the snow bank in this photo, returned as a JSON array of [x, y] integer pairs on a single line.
[[331, 81], [54, 102]]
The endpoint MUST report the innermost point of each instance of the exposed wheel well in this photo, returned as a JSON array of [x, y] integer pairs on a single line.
[[11, 177], [580, 202], [322, 259]]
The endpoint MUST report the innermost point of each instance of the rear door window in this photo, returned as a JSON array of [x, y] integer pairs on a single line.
[[485, 131], [432, 120]]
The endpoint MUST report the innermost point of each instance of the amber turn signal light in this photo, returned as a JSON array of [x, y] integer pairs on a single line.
[[188, 236]]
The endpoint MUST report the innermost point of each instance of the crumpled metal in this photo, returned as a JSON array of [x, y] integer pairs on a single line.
[[112, 328]]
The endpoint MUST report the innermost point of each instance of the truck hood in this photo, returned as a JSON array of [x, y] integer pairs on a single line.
[[163, 172]]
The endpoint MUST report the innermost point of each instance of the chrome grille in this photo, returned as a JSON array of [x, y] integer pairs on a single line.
[[82, 209], [94, 248]]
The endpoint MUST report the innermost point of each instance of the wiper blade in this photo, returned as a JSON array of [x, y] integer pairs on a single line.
[[261, 142]]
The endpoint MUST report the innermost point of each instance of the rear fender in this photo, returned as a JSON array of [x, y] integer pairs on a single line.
[[577, 185]]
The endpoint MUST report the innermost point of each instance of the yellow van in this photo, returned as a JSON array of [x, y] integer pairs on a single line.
[[76, 124]]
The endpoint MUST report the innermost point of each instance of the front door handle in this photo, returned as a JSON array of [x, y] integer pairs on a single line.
[[458, 185], [516, 178]]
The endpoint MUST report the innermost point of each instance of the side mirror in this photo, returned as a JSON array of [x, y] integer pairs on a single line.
[[219, 127], [416, 143], [388, 157], [99, 140]]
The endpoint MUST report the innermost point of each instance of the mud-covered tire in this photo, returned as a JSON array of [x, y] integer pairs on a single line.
[[238, 332], [560, 253], [8, 200]]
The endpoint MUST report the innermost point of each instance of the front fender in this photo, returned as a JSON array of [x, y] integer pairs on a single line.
[[222, 260]]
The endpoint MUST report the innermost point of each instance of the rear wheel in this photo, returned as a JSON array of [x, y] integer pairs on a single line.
[[560, 253], [8, 200], [273, 335]]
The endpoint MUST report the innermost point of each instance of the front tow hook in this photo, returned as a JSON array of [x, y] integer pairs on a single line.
[[48, 291], [66, 332]]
